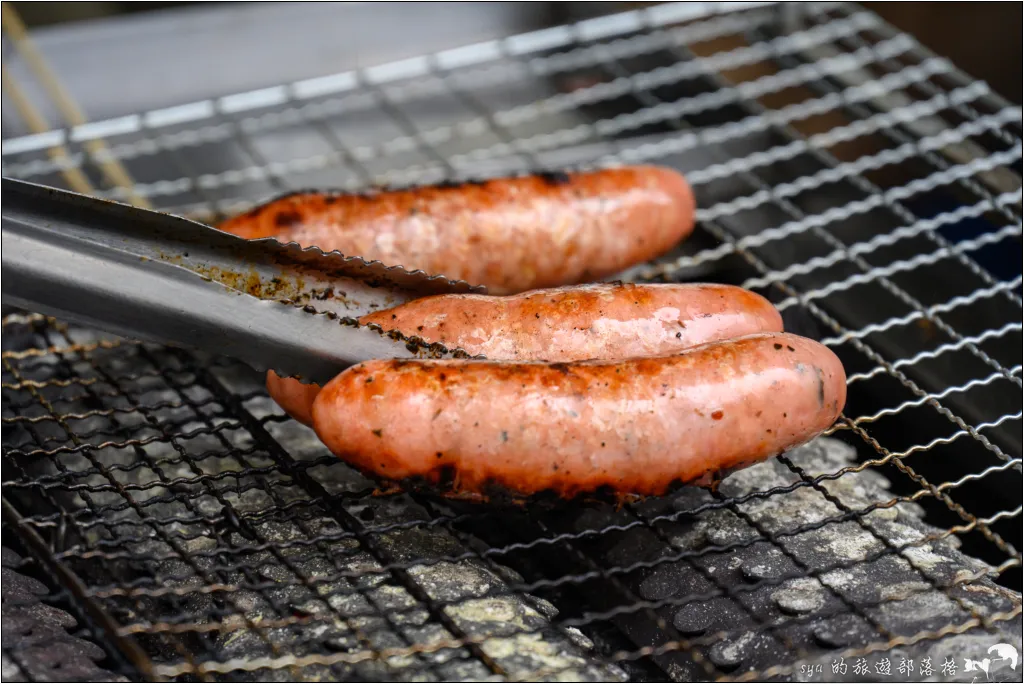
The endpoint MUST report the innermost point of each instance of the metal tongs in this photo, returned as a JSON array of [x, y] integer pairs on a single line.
[[152, 276]]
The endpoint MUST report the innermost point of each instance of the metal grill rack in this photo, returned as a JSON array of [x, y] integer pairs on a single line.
[[866, 186]]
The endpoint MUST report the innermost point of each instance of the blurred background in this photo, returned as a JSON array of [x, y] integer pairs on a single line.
[[982, 38]]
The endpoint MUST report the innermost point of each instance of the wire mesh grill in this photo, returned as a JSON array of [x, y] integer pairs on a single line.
[[867, 187]]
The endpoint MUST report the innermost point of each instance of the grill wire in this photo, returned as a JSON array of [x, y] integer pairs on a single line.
[[867, 187]]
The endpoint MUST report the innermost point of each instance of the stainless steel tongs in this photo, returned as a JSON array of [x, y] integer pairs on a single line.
[[152, 276]]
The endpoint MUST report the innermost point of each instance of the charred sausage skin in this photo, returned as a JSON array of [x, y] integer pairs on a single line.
[[510, 234], [600, 321], [639, 426]]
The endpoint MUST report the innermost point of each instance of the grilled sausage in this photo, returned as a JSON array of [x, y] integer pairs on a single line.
[[295, 398], [510, 234], [638, 426], [600, 321]]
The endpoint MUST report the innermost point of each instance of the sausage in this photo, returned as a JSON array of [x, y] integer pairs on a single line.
[[639, 426], [599, 321], [510, 234], [295, 398]]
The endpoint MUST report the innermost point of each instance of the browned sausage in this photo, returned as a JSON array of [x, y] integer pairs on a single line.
[[600, 321], [510, 234], [638, 426]]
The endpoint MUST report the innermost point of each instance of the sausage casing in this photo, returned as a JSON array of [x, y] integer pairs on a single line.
[[638, 426], [510, 234], [295, 398], [600, 321]]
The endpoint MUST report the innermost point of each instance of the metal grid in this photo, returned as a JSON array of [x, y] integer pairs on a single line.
[[866, 186]]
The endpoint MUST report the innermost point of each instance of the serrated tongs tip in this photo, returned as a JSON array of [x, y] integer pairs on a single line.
[[154, 276]]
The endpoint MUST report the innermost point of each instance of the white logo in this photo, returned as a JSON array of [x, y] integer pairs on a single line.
[[975, 665], [1002, 652]]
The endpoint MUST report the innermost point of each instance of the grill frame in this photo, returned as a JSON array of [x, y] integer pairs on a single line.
[[724, 224]]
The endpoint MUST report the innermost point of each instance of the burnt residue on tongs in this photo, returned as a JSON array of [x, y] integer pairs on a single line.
[[152, 276]]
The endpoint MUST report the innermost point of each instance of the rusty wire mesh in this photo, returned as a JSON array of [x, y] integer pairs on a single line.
[[867, 187]]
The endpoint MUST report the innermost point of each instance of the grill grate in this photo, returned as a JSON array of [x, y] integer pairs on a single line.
[[867, 187]]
